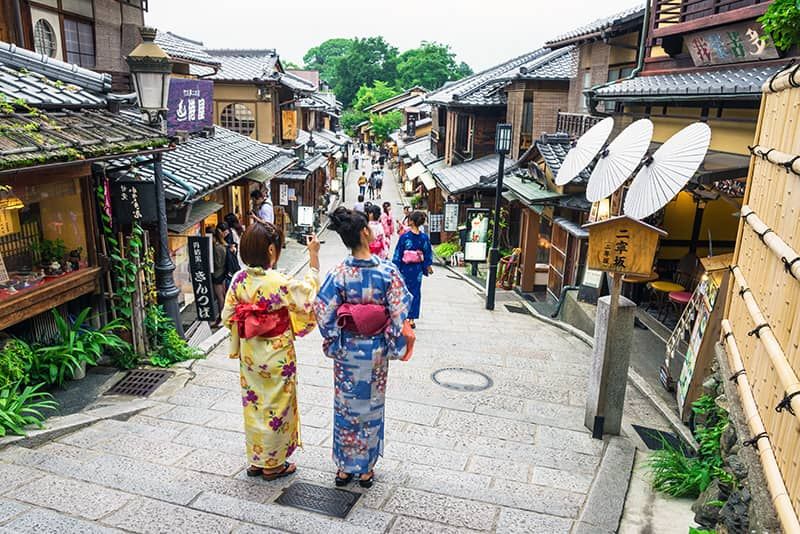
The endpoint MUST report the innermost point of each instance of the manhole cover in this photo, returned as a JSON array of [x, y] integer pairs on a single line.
[[328, 501], [461, 379], [139, 383]]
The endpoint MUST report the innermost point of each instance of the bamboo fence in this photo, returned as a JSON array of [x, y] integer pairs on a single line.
[[761, 329]]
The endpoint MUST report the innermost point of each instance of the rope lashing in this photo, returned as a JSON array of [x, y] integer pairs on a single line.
[[789, 264], [735, 376], [754, 441], [757, 330], [786, 403]]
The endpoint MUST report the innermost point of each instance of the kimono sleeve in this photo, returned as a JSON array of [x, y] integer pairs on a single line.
[[231, 300], [398, 302], [326, 305], [398, 251], [427, 252], [300, 295]]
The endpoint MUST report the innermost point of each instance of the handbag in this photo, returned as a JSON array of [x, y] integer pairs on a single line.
[[362, 319], [413, 256], [411, 338]]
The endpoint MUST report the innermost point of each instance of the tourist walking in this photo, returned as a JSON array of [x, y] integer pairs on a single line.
[[402, 224], [362, 184], [371, 184], [379, 183], [359, 205], [380, 243], [361, 308], [265, 309], [387, 221], [414, 258]]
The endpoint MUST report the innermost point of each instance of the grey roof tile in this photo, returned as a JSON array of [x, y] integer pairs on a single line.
[[296, 83], [560, 64], [467, 175], [45, 82], [729, 82], [182, 49], [415, 149], [243, 65], [554, 148], [605, 24]]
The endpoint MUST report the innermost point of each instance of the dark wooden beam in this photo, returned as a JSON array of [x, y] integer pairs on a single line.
[[720, 19]]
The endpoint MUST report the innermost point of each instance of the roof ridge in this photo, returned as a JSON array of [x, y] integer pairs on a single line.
[[242, 52], [49, 67], [597, 24], [182, 38]]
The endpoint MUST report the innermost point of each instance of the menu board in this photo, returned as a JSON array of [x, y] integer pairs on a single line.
[[707, 292], [436, 222], [450, 217], [201, 269]]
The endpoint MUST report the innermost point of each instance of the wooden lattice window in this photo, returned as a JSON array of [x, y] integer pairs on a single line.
[[238, 118]]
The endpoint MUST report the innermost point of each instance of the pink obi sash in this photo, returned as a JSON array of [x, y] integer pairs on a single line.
[[363, 319], [255, 320]]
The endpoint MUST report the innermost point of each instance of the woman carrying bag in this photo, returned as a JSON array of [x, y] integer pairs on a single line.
[[361, 311]]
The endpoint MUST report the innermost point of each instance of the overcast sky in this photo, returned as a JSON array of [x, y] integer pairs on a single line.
[[480, 32]]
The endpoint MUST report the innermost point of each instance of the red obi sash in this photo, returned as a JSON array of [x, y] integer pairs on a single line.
[[255, 320]]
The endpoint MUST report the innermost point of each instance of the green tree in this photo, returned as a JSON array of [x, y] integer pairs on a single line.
[[287, 65], [368, 95], [383, 125], [351, 118], [367, 60], [430, 65], [325, 57]]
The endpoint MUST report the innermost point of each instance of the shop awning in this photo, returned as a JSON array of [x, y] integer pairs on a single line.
[[571, 228], [510, 196], [722, 166], [528, 190], [293, 175], [199, 211], [415, 170], [427, 180], [268, 171]]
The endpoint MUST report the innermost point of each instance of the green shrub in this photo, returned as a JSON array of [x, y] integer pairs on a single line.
[[781, 22], [415, 201], [446, 250], [15, 360], [166, 346], [21, 409]]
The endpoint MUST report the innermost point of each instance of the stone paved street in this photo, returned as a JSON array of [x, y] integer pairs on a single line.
[[514, 458]]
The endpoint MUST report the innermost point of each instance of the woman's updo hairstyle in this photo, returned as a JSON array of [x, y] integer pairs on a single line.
[[255, 242], [418, 218], [348, 224], [374, 210]]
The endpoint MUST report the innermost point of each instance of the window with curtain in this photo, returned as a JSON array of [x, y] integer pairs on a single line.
[[79, 42], [587, 84]]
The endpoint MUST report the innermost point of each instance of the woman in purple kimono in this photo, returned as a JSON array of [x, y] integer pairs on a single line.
[[368, 298], [414, 257]]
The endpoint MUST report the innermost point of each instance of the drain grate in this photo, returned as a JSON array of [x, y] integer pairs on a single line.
[[461, 379], [654, 438], [327, 501], [139, 383], [516, 308]]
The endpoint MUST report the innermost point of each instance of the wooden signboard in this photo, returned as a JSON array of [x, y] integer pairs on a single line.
[[730, 44], [201, 268], [289, 124], [622, 245], [9, 222]]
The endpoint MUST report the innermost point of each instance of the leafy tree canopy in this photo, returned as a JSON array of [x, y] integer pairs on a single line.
[[368, 60], [369, 95], [351, 118], [430, 65], [383, 125], [325, 57]]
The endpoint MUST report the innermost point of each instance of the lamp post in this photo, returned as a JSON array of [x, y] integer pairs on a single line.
[[502, 145], [150, 70]]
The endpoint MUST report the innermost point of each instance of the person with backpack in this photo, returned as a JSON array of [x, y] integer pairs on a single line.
[[371, 185], [362, 184]]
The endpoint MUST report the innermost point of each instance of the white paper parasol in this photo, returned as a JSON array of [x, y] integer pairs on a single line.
[[671, 168], [619, 160], [581, 155]]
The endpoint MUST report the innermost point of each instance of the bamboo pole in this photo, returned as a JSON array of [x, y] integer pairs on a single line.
[[782, 80], [786, 375], [773, 241], [780, 497], [791, 162]]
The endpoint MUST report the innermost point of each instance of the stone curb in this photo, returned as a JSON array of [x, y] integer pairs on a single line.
[[633, 377], [59, 426]]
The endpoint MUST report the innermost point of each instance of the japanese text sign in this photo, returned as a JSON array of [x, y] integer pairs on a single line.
[[476, 246], [436, 222], [200, 270], [450, 217], [622, 245], [133, 200], [190, 106], [730, 44]]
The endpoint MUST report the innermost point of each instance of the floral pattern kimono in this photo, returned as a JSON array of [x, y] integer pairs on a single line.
[[413, 272], [361, 363], [268, 366]]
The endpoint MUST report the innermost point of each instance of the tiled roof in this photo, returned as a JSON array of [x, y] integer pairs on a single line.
[[486, 88], [730, 82], [605, 25], [321, 144], [428, 157], [389, 103], [45, 82], [315, 162], [311, 76], [528, 190], [419, 146], [244, 65], [295, 83], [294, 174], [208, 163], [70, 136], [467, 175], [335, 138], [181, 49], [554, 148]]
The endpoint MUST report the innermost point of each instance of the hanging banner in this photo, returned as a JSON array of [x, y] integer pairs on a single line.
[[133, 200], [476, 246], [436, 222], [283, 194], [289, 125], [190, 105], [450, 217], [200, 269]]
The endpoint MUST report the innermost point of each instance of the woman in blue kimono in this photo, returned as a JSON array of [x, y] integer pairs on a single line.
[[361, 358], [414, 257]]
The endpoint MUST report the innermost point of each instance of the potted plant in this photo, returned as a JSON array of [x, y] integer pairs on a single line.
[[51, 255]]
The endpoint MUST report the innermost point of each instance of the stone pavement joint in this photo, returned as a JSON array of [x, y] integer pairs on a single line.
[[514, 458]]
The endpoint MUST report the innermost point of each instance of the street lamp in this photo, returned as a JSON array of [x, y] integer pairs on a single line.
[[150, 69], [502, 145]]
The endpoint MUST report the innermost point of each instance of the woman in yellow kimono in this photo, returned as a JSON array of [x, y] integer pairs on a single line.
[[265, 310]]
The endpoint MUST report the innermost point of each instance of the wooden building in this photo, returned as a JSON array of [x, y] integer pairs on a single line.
[[49, 209], [94, 34]]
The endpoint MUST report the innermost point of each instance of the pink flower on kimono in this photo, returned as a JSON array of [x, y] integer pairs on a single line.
[[276, 423], [289, 369], [251, 397]]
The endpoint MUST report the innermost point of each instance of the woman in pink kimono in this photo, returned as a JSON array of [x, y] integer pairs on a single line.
[[265, 309]]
